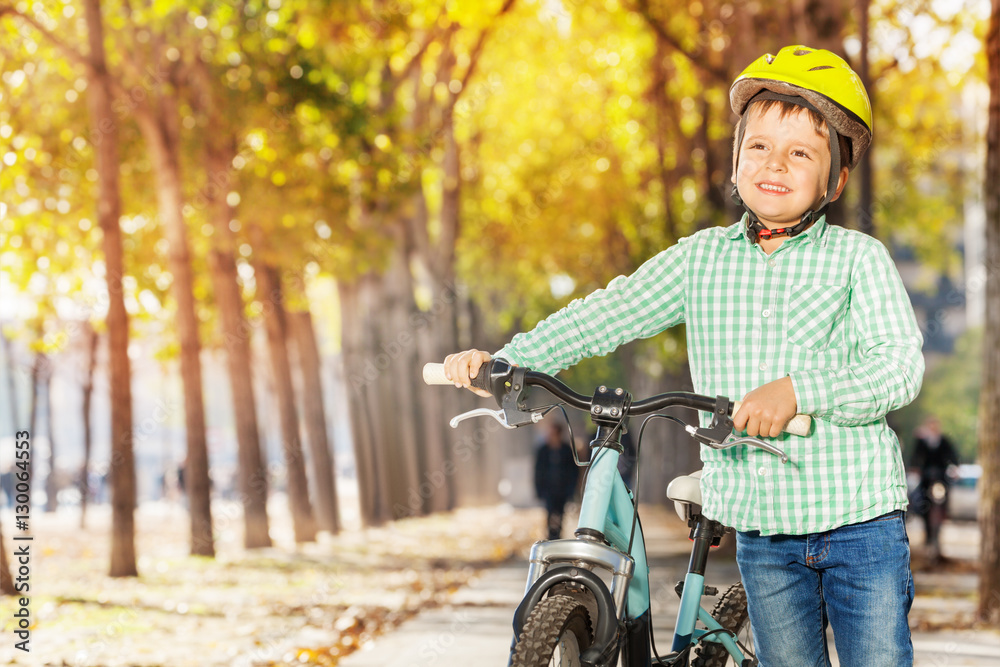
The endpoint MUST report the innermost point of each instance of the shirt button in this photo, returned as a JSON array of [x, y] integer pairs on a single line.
[[763, 367], [766, 313], [771, 262], [762, 471]]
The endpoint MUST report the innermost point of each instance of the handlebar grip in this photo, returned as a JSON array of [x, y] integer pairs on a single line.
[[799, 424], [482, 379], [434, 374]]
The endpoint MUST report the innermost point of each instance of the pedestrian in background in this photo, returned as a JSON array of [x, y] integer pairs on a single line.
[[556, 476]]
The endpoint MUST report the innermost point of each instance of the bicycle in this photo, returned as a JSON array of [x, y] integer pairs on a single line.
[[587, 601]]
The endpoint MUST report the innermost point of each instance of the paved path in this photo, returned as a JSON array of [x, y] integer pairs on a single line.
[[474, 629]]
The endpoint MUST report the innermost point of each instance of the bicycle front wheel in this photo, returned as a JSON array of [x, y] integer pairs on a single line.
[[731, 613], [557, 631]]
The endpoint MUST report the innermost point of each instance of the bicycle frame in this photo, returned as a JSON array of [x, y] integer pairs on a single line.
[[608, 537], [607, 511]]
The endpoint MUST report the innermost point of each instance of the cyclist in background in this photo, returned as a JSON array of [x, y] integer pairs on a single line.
[[793, 315], [934, 457]]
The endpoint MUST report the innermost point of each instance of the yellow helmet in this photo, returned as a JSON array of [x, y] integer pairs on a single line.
[[823, 79]]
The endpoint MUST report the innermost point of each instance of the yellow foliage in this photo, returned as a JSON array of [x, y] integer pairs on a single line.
[[575, 159]]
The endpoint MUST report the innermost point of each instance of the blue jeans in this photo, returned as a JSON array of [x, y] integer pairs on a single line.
[[855, 577]]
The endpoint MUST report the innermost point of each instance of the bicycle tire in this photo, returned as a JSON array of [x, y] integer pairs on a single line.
[[731, 613], [557, 631]]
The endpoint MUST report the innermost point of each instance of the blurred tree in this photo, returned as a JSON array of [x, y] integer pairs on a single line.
[[154, 63], [271, 297], [52, 256], [419, 153], [122, 472], [277, 120], [52, 474], [309, 363], [863, 174], [8, 356], [214, 95], [91, 339], [37, 370], [357, 301], [918, 58], [431, 234], [399, 71], [378, 366], [989, 407], [145, 86]]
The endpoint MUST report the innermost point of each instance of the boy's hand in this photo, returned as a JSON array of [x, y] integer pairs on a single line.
[[767, 409], [461, 367]]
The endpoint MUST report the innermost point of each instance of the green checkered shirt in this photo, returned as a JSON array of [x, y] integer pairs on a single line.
[[827, 308]]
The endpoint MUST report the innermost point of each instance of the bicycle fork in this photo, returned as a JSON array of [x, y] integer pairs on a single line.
[[574, 565], [606, 514]]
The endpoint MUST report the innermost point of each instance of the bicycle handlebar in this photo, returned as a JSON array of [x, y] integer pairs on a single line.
[[434, 374]]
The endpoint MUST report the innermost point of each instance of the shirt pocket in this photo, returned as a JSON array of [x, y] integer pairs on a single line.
[[815, 313]]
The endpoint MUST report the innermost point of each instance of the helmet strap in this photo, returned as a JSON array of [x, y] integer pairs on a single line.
[[756, 230]]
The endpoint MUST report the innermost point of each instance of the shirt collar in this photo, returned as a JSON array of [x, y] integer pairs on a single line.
[[816, 232]]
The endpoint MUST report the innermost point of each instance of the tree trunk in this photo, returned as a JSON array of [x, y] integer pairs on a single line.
[[664, 117], [398, 407], [8, 350], [270, 297], [865, 221], [36, 373], [6, 581], [717, 187], [379, 361], [437, 462], [442, 406], [90, 341], [436, 332], [358, 305], [819, 23], [52, 478], [122, 471], [253, 481], [314, 414], [989, 408], [159, 128]]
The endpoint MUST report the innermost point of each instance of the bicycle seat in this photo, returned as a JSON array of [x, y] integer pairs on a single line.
[[685, 491]]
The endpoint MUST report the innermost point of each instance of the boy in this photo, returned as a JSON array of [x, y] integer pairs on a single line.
[[793, 315]]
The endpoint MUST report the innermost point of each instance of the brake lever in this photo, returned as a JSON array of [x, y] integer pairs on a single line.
[[719, 430], [732, 441], [499, 415]]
